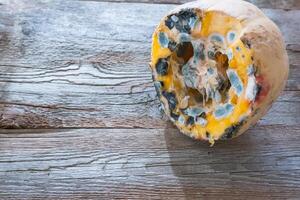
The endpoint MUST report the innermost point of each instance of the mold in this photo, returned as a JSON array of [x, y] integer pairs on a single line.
[[250, 70], [190, 76], [231, 36], [181, 120], [172, 45], [194, 112], [201, 121], [182, 28], [217, 96], [174, 116], [210, 71], [223, 85], [169, 23], [174, 18], [157, 86], [217, 38], [184, 22], [232, 131], [190, 121], [203, 115], [199, 53], [163, 39], [207, 134], [251, 89], [162, 66], [171, 98], [196, 24], [184, 37], [192, 22], [229, 54], [259, 89], [235, 81], [223, 110], [211, 54]]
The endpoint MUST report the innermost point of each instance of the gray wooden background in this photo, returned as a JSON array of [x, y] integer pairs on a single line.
[[80, 118]]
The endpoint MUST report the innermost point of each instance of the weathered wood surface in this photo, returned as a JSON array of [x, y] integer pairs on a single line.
[[67, 64], [275, 4], [149, 164]]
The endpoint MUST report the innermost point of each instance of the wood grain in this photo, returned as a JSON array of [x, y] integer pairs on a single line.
[[275, 4], [68, 64], [148, 164]]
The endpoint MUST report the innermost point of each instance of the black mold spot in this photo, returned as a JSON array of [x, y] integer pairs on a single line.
[[162, 83], [232, 131], [162, 67], [172, 45], [182, 25], [203, 115], [190, 121], [259, 88], [211, 55], [171, 98], [229, 132], [246, 42], [182, 28], [169, 23], [174, 116], [207, 134]]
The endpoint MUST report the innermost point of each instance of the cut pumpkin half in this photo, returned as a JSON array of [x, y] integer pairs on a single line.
[[217, 67]]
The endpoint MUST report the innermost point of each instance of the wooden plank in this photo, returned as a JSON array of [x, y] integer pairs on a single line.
[[67, 64], [148, 164], [143, 113], [275, 4]]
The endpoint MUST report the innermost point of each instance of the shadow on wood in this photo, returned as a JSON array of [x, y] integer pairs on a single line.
[[204, 170]]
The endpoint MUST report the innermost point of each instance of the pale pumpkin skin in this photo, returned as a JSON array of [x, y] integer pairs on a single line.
[[257, 42]]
